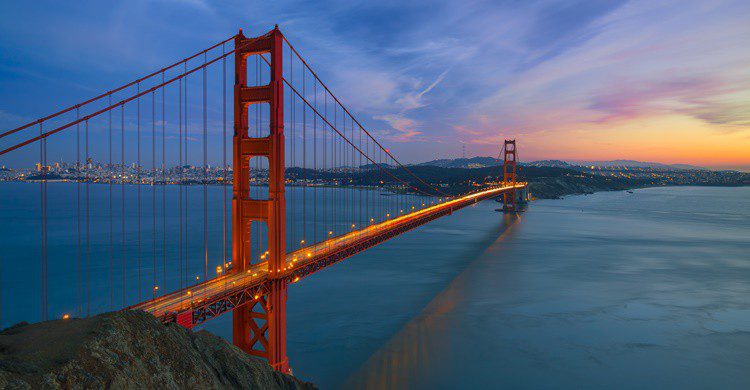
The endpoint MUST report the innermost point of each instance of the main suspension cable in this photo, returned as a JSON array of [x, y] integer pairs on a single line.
[[110, 92]]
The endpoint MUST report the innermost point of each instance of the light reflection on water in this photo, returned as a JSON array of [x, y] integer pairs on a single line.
[[613, 290], [422, 343]]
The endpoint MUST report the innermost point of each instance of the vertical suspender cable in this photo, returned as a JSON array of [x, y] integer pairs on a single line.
[[337, 172], [315, 165], [88, 236], [350, 153], [205, 178], [343, 202], [163, 187], [346, 217], [43, 207], [111, 230], [356, 216], [401, 199], [46, 248], [368, 214], [224, 155], [337, 168], [361, 182], [138, 186], [179, 144], [122, 199], [153, 189], [352, 194], [291, 144], [375, 188], [382, 182], [1, 295], [258, 189], [304, 163], [79, 253], [187, 189], [343, 193], [348, 163], [325, 166], [334, 173], [373, 198]]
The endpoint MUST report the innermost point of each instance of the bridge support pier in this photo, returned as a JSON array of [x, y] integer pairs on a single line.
[[259, 326]]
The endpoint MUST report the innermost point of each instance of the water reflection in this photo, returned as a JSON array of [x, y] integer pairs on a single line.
[[611, 290], [422, 342]]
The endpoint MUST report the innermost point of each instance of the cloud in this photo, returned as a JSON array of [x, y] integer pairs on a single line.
[[406, 127], [413, 99], [642, 60], [697, 97]]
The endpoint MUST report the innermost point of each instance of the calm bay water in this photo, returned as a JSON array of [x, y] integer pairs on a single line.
[[650, 289]]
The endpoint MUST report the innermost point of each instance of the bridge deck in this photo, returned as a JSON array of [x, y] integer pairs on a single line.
[[197, 303]]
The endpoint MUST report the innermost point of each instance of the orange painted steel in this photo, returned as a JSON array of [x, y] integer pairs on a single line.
[[509, 174], [259, 326]]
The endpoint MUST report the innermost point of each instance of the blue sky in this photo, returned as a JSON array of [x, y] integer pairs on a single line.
[[663, 81]]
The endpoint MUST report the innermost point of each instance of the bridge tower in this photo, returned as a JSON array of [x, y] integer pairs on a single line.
[[259, 326], [509, 174]]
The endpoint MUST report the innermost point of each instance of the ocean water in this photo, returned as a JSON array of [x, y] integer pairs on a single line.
[[610, 290], [108, 247]]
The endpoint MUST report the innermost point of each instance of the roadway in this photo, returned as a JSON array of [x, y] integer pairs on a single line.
[[257, 274]]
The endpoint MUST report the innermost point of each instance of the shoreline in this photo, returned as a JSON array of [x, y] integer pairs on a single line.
[[558, 189]]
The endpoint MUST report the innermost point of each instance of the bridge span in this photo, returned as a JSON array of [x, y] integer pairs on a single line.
[[139, 141], [198, 303]]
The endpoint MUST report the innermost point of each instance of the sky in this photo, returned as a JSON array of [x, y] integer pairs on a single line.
[[664, 81]]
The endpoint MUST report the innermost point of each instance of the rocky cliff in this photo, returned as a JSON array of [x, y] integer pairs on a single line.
[[128, 350]]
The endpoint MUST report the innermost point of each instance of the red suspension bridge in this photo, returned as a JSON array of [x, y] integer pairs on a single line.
[[154, 225]]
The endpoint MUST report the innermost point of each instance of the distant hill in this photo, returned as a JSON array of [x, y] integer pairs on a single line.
[[473, 162], [483, 162], [689, 167], [637, 164], [549, 163], [373, 166], [615, 163]]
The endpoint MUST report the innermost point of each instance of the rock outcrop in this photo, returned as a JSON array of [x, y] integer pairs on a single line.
[[128, 349]]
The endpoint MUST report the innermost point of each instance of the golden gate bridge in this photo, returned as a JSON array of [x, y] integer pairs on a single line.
[[158, 135]]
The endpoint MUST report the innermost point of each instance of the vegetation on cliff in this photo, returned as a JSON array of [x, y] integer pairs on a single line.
[[128, 349]]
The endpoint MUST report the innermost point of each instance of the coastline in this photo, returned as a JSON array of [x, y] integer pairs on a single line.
[[557, 189]]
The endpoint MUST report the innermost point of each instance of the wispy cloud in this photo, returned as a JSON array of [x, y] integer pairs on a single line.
[[406, 127]]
